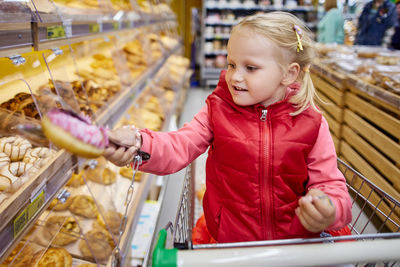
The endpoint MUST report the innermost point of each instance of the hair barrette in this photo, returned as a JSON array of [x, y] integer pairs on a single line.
[[299, 33]]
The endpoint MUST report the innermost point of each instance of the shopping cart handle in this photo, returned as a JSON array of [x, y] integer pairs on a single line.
[[163, 257]]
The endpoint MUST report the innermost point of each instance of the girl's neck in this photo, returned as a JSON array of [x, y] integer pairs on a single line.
[[276, 98]]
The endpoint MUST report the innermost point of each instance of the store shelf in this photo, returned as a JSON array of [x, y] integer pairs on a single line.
[[50, 35], [217, 37], [219, 6], [15, 27], [15, 38]]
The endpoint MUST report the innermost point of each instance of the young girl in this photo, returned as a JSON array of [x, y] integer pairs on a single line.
[[271, 167]]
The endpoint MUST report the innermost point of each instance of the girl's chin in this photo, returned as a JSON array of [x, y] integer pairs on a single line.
[[241, 102]]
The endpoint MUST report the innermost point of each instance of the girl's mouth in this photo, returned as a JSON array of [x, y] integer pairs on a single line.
[[239, 88]]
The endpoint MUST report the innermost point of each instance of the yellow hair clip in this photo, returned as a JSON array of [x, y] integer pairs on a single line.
[[298, 33]]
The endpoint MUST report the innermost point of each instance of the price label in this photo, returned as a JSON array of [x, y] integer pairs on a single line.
[[35, 206], [54, 32], [94, 28], [115, 25], [27, 214], [20, 222], [128, 24]]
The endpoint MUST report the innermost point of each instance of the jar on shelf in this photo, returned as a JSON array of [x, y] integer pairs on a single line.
[[217, 44], [208, 47], [220, 61], [209, 63], [209, 31]]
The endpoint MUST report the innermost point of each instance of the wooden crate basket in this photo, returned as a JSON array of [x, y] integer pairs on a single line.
[[330, 89], [378, 96], [371, 138]]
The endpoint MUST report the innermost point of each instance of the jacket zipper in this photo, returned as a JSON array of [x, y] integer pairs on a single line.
[[265, 188], [264, 115]]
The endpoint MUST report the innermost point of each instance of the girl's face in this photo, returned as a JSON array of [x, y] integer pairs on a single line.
[[254, 75]]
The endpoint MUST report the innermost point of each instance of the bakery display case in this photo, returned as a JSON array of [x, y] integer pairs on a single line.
[[67, 209], [33, 167]]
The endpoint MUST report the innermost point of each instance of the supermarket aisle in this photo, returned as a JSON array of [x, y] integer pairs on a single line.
[[194, 102]]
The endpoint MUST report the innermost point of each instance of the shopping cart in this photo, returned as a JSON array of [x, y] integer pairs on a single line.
[[375, 239]]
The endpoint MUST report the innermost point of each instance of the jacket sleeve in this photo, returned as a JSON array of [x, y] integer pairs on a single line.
[[325, 176], [172, 151]]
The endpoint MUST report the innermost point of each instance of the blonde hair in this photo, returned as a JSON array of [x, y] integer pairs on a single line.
[[277, 27]]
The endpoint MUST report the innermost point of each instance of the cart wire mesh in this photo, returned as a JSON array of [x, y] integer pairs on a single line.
[[376, 215]]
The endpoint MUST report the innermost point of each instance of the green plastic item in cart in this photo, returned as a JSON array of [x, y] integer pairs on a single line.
[[163, 257]]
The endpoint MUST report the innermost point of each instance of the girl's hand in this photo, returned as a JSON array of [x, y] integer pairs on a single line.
[[316, 211], [124, 143]]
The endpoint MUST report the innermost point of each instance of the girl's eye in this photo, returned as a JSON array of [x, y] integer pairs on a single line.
[[251, 68], [231, 65]]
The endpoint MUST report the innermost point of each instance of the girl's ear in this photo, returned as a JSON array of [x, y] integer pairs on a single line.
[[292, 72]]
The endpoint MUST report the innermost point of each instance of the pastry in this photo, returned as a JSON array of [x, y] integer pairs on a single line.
[[127, 172], [52, 257], [4, 159], [9, 175], [87, 265], [15, 147], [366, 54], [76, 180], [97, 245], [57, 205], [101, 175], [21, 256], [75, 134], [112, 221], [387, 60], [63, 230], [38, 156], [84, 205]]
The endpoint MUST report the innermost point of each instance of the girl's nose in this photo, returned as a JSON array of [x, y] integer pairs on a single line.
[[237, 76]]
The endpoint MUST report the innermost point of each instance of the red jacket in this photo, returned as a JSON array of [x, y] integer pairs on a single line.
[[256, 169]]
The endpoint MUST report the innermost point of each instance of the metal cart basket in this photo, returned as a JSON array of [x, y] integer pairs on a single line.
[[375, 239]]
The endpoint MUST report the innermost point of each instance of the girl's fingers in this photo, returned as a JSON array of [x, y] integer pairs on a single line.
[[307, 206], [324, 205], [306, 221]]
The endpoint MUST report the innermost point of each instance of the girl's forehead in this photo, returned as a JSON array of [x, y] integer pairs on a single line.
[[241, 41]]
